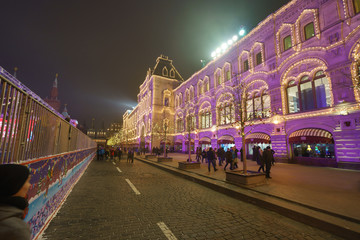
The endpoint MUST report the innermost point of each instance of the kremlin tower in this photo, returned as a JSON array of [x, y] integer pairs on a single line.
[[53, 100]]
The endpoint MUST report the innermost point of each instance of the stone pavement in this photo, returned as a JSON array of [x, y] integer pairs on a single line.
[[327, 198], [103, 206]]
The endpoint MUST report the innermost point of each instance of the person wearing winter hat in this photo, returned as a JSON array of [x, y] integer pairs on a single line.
[[14, 185]]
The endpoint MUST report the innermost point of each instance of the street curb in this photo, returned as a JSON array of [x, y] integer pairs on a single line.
[[308, 215]]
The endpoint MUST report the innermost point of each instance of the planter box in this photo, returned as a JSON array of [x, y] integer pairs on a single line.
[[250, 179], [189, 165], [149, 156], [164, 159]]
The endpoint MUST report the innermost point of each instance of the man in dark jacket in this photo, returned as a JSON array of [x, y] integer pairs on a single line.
[[268, 158], [211, 159], [229, 159], [14, 185]]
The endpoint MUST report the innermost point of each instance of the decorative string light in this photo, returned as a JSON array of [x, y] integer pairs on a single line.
[[284, 79]]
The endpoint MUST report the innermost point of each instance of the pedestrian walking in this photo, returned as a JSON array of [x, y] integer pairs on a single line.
[[219, 155], [203, 156], [268, 159], [235, 158], [132, 156], [120, 154], [198, 154], [211, 159], [14, 185], [228, 158], [128, 156], [260, 161], [241, 154]]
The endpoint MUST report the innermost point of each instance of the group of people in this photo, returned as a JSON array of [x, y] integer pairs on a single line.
[[113, 154], [264, 158], [210, 155]]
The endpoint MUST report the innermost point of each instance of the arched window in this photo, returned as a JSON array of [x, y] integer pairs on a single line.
[[200, 88], [172, 73], [227, 114], [258, 106], [306, 94], [309, 93], [187, 96], [322, 90], [287, 42], [207, 86], [179, 125], [165, 72], [166, 102], [309, 31], [205, 119], [228, 75], [190, 123]]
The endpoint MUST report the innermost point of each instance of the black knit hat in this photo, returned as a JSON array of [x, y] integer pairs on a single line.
[[12, 178]]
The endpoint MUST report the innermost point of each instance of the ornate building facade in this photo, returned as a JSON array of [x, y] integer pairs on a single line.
[[295, 78]]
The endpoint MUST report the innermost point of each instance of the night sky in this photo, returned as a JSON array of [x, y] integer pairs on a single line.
[[102, 49]]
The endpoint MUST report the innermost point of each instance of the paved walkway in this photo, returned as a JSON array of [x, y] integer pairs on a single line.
[[331, 190]]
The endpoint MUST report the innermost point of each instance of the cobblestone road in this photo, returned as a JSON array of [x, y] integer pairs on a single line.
[[104, 206]]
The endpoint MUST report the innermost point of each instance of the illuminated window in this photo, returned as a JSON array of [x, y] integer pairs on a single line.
[[190, 123], [287, 43], [309, 94], [227, 114], [258, 58], [258, 106], [179, 125], [206, 119], [309, 31], [228, 75], [356, 6], [293, 97], [306, 93], [246, 65], [207, 86], [218, 78]]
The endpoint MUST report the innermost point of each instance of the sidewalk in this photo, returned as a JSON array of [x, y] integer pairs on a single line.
[[326, 194]]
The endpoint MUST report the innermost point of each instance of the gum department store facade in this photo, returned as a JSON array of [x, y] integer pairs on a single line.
[[297, 70]]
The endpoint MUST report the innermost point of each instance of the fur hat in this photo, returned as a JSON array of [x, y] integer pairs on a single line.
[[12, 178]]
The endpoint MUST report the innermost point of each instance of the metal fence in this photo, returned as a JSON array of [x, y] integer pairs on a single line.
[[30, 128]]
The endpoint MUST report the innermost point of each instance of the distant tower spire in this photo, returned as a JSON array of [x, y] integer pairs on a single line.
[[54, 89], [65, 112], [15, 70], [92, 123], [53, 99]]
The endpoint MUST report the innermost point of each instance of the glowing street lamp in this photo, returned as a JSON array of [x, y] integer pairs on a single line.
[[242, 32]]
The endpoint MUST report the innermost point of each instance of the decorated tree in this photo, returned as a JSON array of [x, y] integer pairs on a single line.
[[247, 112], [161, 130]]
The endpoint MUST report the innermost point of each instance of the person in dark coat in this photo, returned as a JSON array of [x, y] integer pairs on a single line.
[[268, 159], [128, 156], [203, 156], [261, 162], [229, 159], [14, 185], [211, 159]]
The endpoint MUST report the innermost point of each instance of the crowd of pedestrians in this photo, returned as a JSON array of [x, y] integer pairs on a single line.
[[117, 153], [230, 157]]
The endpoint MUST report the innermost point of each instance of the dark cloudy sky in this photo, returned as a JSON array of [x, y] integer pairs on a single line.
[[102, 49]]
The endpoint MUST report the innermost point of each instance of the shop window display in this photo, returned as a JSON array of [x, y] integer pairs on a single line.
[[314, 150]]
